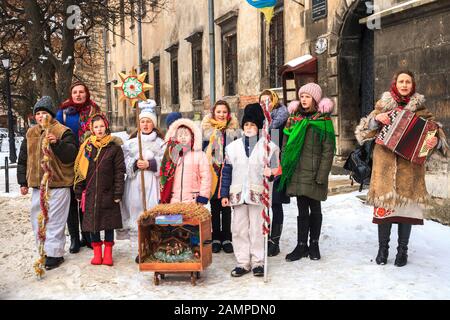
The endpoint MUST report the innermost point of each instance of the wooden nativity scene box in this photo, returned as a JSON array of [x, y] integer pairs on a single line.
[[175, 238]]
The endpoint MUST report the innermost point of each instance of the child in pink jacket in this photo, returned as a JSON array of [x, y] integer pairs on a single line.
[[185, 172]]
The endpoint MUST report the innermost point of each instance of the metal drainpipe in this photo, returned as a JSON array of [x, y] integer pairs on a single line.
[[105, 71], [139, 36], [212, 54]]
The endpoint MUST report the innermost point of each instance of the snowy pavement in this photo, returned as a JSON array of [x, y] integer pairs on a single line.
[[346, 271]]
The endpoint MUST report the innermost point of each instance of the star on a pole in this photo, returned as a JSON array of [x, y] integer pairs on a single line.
[[132, 87]]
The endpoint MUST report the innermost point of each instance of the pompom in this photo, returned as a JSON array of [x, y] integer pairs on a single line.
[[148, 105], [326, 105], [293, 106]]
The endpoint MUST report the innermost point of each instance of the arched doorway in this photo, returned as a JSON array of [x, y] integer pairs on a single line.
[[355, 73]]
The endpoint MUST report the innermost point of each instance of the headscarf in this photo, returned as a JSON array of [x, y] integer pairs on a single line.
[[401, 100], [85, 110], [85, 153]]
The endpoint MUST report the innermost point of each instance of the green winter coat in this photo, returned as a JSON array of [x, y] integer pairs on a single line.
[[311, 174]]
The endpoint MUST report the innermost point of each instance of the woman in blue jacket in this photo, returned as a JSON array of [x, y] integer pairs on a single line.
[[74, 113]]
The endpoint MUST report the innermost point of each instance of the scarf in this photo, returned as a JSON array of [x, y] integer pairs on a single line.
[[85, 155], [173, 153], [296, 133], [85, 110], [402, 101], [214, 150]]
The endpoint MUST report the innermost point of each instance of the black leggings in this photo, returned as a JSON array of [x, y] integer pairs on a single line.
[[221, 221], [109, 236], [312, 222], [277, 213]]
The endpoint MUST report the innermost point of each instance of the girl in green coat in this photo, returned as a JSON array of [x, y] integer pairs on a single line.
[[306, 163]]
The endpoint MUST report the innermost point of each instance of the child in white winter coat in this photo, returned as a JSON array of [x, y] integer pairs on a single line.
[[152, 153], [242, 188]]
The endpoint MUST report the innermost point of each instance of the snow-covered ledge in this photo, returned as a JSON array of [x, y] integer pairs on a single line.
[[395, 9]]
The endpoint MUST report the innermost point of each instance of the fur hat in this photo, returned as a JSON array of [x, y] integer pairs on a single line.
[[197, 133], [253, 113], [148, 111], [313, 89], [45, 104]]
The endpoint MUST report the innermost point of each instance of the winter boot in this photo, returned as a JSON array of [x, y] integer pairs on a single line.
[[216, 246], [301, 250], [314, 252], [53, 262], [107, 255], [274, 240], [404, 231], [384, 233], [73, 227], [227, 246], [315, 227], [97, 260]]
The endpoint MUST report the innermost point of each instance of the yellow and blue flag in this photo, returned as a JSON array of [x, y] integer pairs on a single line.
[[265, 6]]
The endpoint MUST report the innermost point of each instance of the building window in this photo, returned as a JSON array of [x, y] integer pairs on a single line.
[[228, 25], [197, 69], [173, 50], [156, 81], [275, 60], [144, 68]]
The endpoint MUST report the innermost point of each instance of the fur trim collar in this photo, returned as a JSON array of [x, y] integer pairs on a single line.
[[191, 125], [232, 130], [416, 102], [116, 140]]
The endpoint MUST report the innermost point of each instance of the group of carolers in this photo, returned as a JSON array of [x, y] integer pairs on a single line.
[[95, 177]]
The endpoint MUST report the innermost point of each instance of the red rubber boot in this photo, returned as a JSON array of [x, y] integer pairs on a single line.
[[97, 246], [107, 255]]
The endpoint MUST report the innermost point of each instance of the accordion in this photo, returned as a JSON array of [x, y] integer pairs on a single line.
[[407, 135]]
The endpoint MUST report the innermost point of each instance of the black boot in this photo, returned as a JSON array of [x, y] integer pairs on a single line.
[[53, 262], [73, 226], [384, 233], [301, 250], [74, 244], [404, 231], [274, 240], [314, 252], [315, 227]]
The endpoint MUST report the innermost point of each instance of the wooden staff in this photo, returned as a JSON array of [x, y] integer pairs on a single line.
[[144, 201]]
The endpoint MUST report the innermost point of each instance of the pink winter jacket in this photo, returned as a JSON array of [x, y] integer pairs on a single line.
[[192, 178]]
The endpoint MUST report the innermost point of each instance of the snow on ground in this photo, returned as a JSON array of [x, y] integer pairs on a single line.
[[346, 271]]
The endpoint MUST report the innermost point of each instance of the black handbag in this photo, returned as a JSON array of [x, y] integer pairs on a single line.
[[359, 163]]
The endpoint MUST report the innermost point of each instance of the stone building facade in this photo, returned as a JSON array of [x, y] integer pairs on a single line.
[[355, 57]]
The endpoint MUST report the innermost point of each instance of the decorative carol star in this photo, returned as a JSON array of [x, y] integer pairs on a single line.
[[133, 87]]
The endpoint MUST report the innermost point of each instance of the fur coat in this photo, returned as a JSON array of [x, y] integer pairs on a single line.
[[397, 183]]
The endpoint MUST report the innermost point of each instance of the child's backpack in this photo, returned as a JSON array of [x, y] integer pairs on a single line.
[[359, 163]]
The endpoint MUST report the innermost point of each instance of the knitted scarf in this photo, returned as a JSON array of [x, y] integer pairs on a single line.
[[214, 151], [85, 155], [320, 123]]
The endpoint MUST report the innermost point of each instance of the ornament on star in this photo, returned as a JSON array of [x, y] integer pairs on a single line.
[[132, 87]]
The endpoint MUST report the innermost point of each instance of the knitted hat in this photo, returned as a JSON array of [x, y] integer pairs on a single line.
[[148, 111], [253, 113], [45, 104], [313, 89], [172, 117]]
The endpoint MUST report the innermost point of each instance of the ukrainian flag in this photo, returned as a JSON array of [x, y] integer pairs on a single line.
[[265, 6]]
